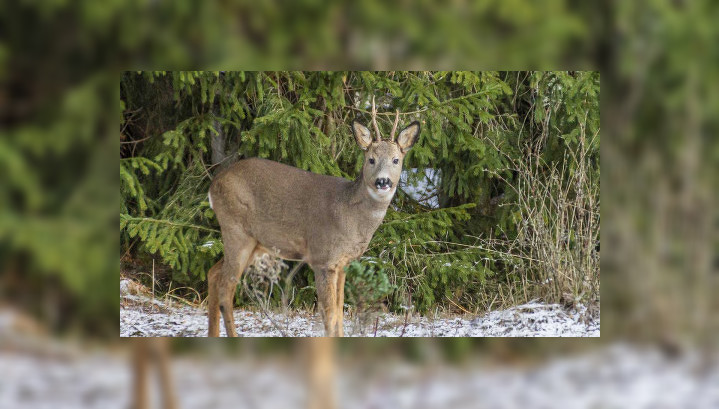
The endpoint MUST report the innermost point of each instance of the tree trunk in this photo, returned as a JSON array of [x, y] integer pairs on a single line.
[[217, 143]]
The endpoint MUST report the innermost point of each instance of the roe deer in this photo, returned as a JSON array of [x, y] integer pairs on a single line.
[[325, 221]]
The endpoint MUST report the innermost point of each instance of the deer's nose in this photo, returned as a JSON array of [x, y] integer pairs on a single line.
[[383, 183]]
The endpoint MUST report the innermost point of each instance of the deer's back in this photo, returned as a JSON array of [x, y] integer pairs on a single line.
[[281, 206]]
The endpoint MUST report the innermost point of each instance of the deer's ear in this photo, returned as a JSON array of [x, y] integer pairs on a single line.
[[362, 135], [408, 136]]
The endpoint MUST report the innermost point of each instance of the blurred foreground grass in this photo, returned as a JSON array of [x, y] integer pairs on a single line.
[[59, 66]]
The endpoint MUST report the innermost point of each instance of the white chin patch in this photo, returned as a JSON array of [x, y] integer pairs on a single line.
[[382, 195]]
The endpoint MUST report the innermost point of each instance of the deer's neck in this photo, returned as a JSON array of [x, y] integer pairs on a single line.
[[362, 200]]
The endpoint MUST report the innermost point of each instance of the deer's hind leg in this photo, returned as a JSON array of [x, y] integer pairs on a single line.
[[214, 279], [239, 246], [213, 301]]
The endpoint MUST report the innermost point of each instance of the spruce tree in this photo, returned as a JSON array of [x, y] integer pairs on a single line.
[[451, 247]]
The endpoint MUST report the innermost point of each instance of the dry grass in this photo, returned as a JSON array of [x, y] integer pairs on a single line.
[[555, 256]]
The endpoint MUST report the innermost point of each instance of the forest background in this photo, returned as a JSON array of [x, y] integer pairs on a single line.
[[508, 162], [59, 236]]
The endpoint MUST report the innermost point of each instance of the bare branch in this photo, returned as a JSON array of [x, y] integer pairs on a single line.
[[377, 136], [419, 111]]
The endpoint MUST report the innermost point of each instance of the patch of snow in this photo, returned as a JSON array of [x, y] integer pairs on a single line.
[[125, 286], [369, 260], [423, 187], [154, 319]]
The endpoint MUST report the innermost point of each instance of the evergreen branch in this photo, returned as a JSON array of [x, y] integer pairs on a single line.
[[447, 210], [472, 95], [166, 222]]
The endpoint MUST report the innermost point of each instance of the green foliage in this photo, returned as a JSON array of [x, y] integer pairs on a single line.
[[424, 255], [366, 286], [180, 232], [57, 197], [655, 57], [475, 127]]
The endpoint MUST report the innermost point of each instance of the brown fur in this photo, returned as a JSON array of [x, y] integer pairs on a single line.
[[325, 221]]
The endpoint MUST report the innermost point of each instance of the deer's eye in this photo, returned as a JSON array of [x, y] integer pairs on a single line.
[[395, 161], [371, 161]]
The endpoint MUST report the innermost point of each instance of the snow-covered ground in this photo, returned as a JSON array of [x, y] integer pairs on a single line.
[[619, 376], [142, 317]]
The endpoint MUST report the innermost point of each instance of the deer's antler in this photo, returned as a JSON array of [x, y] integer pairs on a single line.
[[394, 127]]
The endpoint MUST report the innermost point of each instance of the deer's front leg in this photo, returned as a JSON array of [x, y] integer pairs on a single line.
[[326, 282]]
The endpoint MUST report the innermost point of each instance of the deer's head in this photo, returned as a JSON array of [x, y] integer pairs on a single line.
[[383, 158]]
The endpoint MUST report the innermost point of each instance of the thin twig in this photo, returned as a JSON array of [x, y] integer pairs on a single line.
[[264, 311], [404, 327], [391, 113], [136, 140], [127, 252], [458, 306], [288, 283]]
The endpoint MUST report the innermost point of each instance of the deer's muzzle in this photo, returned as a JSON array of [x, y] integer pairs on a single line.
[[383, 184]]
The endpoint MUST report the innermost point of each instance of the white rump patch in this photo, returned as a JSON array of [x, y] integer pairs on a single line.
[[209, 197]]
